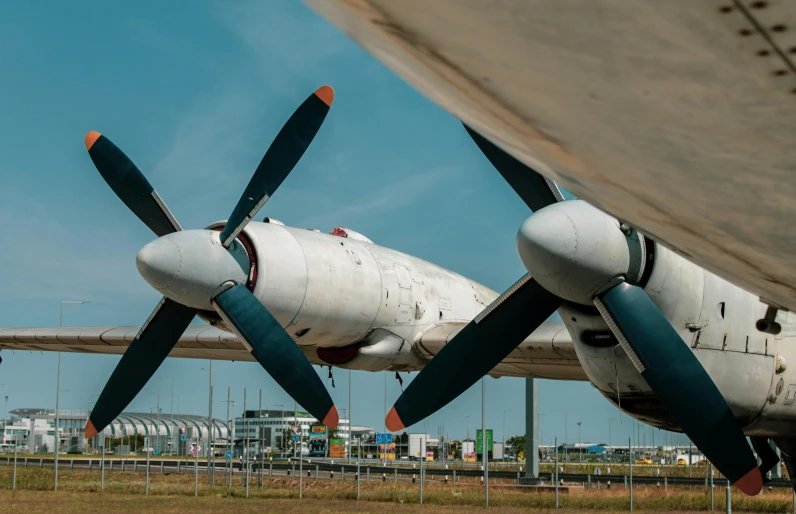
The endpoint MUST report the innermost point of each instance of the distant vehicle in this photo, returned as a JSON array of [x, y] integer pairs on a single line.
[[643, 461], [681, 462]]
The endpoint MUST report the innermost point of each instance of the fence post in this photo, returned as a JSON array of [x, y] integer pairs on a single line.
[[102, 468], [712, 500], [146, 446], [555, 475], [14, 479], [196, 471], [396, 474], [630, 462], [729, 498], [422, 458]]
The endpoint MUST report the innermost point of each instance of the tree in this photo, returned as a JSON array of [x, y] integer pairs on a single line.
[[517, 443]]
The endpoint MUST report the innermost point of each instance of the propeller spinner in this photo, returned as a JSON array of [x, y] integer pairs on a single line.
[[576, 253], [207, 270]]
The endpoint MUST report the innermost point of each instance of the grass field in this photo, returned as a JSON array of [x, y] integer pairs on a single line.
[[619, 469], [124, 492]]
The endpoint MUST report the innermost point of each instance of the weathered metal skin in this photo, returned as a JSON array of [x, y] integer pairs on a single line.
[[375, 306], [717, 320]]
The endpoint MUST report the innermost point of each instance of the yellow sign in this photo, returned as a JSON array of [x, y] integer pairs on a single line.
[[389, 449]]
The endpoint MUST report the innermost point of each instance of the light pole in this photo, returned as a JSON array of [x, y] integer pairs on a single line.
[[58, 394], [348, 449], [580, 449], [541, 436], [609, 430], [171, 413], [566, 435], [5, 416], [504, 434], [210, 450], [282, 436]]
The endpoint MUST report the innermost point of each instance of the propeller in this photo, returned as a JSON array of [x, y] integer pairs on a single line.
[[208, 270], [130, 185], [597, 265]]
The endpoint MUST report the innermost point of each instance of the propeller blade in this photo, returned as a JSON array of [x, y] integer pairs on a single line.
[[681, 383], [474, 351], [535, 189], [130, 185], [141, 360], [283, 154], [276, 352]]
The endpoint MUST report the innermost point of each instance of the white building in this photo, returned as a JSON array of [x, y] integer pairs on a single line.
[[167, 433], [271, 424]]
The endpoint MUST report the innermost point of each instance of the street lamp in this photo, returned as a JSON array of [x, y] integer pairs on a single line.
[[282, 436], [344, 413], [580, 449], [58, 393], [609, 430], [209, 415], [171, 411], [504, 434]]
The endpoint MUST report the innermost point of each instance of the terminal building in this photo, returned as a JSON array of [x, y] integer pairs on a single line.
[[33, 430], [271, 431]]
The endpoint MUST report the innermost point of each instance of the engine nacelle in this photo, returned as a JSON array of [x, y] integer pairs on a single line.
[[381, 350], [715, 318]]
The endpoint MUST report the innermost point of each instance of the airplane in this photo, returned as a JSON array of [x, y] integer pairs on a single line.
[[674, 117], [663, 339], [285, 297]]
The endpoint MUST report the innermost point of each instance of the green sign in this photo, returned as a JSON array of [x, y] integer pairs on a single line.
[[478, 441]]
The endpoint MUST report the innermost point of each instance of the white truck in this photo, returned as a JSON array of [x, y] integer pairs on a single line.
[[417, 446]]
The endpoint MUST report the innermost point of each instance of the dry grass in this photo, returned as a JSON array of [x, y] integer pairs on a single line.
[[79, 490]]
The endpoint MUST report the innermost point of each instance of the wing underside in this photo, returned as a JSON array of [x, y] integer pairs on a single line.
[[547, 353]]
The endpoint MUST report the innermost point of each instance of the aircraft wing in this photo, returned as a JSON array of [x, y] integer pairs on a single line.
[[674, 116], [547, 353], [198, 341]]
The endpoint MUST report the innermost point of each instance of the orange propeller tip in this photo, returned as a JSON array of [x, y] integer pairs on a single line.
[[326, 94], [394, 423], [332, 418], [91, 138], [90, 430], [751, 483]]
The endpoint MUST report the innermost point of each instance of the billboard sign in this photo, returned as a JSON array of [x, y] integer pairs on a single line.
[[337, 448], [387, 451], [318, 440], [479, 441]]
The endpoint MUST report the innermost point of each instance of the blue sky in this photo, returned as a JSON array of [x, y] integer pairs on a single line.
[[195, 96]]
